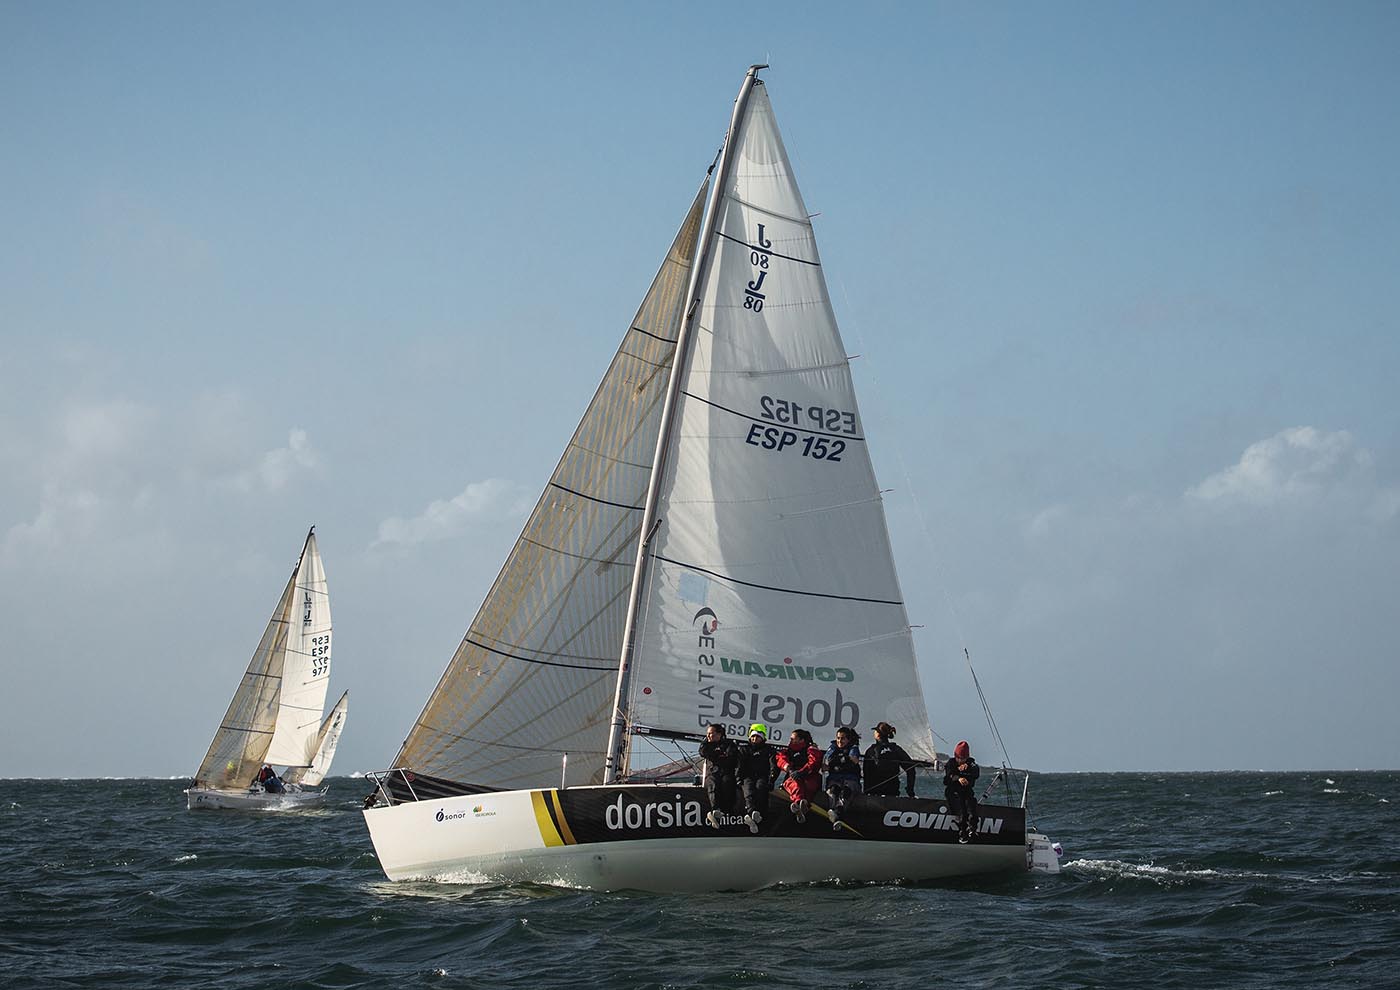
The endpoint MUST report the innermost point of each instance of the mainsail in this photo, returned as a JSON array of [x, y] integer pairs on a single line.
[[326, 741], [535, 674], [240, 745], [770, 591]]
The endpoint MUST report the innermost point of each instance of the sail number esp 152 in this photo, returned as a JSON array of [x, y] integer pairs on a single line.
[[786, 413]]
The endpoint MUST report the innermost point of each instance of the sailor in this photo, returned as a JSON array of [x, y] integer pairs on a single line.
[[721, 756], [803, 763], [757, 770], [883, 761], [842, 772], [959, 777], [271, 783]]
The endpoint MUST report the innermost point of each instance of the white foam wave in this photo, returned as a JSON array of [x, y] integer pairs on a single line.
[[1331, 790], [184, 859], [1272, 793], [1330, 780], [1149, 871]]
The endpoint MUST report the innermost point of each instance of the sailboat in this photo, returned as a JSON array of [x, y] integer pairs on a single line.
[[711, 547], [275, 717]]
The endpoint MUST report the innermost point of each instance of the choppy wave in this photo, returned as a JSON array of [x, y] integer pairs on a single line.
[[1172, 881]]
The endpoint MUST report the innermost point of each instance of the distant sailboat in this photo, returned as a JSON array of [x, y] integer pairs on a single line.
[[275, 717], [711, 547]]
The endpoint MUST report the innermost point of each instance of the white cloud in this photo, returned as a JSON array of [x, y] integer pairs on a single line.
[[1295, 465], [277, 467], [481, 501], [64, 513]]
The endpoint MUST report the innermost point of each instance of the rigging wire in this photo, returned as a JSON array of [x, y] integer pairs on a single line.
[[927, 534]]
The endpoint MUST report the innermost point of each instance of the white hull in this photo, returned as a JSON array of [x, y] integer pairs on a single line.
[[525, 836], [207, 799]]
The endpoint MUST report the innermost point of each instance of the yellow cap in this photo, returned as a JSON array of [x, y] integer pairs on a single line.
[[760, 728]]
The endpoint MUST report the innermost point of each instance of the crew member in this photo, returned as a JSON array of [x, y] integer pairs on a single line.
[[802, 762], [757, 770], [883, 762], [959, 777], [842, 772], [721, 757]]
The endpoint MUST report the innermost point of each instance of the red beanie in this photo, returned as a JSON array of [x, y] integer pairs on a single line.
[[961, 751]]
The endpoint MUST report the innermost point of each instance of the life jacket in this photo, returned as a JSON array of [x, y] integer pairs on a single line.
[[722, 756], [802, 765], [755, 762], [843, 761]]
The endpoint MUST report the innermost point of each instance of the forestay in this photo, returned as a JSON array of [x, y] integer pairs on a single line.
[[770, 592], [241, 742], [535, 675]]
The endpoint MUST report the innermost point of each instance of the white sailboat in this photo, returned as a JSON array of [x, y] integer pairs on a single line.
[[275, 717], [710, 548]]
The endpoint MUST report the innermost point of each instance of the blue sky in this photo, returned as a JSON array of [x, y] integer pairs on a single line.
[[1121, 276]]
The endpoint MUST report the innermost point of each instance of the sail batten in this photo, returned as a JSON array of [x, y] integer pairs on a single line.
[[765, 587]]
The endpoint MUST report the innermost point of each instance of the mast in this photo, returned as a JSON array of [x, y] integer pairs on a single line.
[[649, 519]]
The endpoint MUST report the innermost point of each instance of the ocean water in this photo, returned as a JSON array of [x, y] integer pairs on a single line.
[[1169, 880]]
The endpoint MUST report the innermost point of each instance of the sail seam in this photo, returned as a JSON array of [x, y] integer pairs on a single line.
[[602, 456], [548, 663], [769, 422], [575, 556], [769, 587], [594, 498], [768, 251]]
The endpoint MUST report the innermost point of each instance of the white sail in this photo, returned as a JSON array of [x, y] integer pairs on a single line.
[[770, 592], [306, 666], [327, 740], [535, 674]]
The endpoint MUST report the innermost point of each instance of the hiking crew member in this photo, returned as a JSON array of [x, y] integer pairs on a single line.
[[842, 772], [883, 761], [959, 777], [757, 769], [721, 756], [803, 763], [271, 783]]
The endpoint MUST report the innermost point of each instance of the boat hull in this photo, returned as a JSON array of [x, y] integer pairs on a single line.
[[656, 839], [208, 799]]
